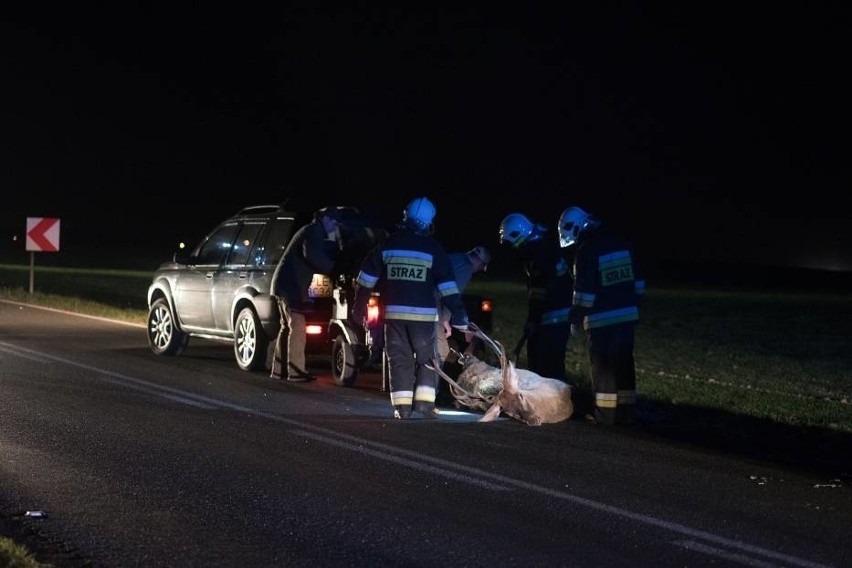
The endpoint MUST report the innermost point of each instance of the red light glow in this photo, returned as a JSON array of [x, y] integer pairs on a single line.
[[373, 311], [313, 330]]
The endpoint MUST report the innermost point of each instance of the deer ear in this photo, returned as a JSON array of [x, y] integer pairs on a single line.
[[492, 414], [510, 377]]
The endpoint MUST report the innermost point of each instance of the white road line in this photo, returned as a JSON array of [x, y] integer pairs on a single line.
[[719, 553], [66, 312], [361, 449], [118, 378]]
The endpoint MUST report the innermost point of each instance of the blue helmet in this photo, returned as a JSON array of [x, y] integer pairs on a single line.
[[419, 214]]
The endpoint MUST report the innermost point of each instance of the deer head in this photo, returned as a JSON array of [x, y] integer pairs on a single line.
[[511, 401], [527, 396]]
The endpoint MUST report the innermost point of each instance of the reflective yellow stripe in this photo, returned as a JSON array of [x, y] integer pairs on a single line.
[[411, 317], [401, 397], [424, 394], [606, 399]]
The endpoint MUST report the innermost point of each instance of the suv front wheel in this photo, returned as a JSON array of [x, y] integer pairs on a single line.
[[250, 341], [164, 337]]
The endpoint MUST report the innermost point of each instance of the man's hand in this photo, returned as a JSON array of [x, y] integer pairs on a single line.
[[575, 318], [448, 329]]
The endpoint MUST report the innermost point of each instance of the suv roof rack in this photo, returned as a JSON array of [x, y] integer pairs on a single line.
[[260, 209]]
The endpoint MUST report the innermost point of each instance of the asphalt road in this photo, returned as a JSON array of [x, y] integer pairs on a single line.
[[139, 460]]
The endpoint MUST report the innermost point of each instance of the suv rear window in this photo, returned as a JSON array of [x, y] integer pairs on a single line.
[[279, 233]]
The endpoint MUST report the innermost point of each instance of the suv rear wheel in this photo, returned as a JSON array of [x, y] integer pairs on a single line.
[[250, 341], [163, 335]]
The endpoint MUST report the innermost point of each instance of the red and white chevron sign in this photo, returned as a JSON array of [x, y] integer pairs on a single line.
[[42, 234]]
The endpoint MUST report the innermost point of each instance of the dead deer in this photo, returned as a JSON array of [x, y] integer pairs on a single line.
[[518, 393]]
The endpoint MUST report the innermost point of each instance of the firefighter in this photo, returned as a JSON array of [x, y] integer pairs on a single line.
[[548, 279], [608, 285], [409, 267]]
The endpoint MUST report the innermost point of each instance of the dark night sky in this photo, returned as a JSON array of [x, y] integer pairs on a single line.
[[710, 131]]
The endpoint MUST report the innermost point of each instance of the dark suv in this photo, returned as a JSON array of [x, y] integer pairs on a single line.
[[221, 290]]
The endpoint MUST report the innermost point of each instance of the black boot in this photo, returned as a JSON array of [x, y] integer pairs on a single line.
[[402, 411], [426, 409]]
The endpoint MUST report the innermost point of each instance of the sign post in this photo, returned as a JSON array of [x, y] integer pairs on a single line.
[[43, 236]]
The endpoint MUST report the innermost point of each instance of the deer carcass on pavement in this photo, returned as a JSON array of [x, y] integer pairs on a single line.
[[518, 393]]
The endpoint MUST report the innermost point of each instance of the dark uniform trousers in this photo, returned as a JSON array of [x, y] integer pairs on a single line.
[[613, 373], [410, 380], [546, 348]]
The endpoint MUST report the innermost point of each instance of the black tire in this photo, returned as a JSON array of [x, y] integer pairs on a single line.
[[344, 368], [250, 341], [164, 336]]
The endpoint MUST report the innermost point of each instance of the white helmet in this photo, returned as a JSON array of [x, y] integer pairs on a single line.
[[515, 229], [572, 222], [419, 213]]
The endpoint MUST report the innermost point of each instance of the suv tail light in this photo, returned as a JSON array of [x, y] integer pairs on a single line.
[[313, 329]]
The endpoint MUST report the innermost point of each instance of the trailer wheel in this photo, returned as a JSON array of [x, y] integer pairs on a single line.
[[344, 368]]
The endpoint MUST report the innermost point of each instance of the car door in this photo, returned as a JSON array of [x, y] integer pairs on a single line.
[[236, 275], [194, 286]]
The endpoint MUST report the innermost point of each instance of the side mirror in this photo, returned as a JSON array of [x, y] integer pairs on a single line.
[[182, 256]]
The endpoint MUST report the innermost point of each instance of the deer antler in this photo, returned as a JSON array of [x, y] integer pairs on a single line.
[[495, 345], [459, 393], [435, 366], [460, 357]]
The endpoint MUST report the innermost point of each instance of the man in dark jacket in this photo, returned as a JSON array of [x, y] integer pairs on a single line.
[[548, 276], [465, 265], [312, 250], [409, 267], [608, 285]]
